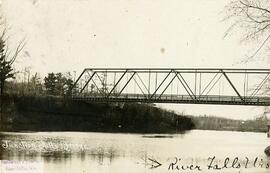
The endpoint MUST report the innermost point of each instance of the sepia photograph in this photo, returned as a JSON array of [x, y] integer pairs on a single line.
[[134, 86]]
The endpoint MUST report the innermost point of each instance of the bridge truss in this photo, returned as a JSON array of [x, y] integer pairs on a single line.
[[180, 85]]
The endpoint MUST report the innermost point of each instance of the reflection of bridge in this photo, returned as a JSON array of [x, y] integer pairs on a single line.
[[183, 85]]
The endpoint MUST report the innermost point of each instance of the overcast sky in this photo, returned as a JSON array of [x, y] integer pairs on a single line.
[[69, 35]]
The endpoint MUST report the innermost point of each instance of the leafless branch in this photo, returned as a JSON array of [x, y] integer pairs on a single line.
[[255, 7], [17, 51], [253, 18]]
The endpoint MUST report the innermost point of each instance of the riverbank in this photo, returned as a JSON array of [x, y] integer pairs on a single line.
[[258, 124], [59, 114]]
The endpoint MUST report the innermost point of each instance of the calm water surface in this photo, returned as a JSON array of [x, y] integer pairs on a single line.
[[64, 152]]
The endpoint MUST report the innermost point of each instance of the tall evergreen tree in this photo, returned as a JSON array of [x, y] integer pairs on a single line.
[[6, 61], [50, 83], [58, 84]]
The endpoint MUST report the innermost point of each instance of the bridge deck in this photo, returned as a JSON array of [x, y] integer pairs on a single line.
[[181, 99]]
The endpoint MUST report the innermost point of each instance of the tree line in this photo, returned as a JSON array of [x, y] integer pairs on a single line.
[[53, 84], [258, 124]]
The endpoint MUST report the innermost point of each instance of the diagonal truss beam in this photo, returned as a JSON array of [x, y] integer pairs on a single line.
[[100, 91], [76, 82], [167, 86], [142, 83], [117, 83], [186, 85], [160, 84], [87, 82], [126, 84], [260, 85], [209, 84], [191, 94], [230, 82], [139, 86], [102, 83], [213, 82]]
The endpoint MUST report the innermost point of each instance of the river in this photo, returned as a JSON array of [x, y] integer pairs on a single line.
[[82, 152]]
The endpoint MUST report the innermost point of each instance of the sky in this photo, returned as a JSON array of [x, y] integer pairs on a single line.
[[70, 35]]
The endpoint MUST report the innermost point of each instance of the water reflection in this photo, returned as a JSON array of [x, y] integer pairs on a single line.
[[95, 151], [52, 149]]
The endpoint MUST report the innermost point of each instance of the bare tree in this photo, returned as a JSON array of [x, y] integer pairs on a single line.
[[253, 18]]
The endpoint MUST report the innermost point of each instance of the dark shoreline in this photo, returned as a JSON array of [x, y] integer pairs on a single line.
[[53, 114], [37, 114]]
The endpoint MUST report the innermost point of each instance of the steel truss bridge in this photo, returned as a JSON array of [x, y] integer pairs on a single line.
[[178, 85]]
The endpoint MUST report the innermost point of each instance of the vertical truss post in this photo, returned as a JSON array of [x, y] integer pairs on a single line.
[[245, 83], [195, 82], [200, 84], [247, 86], [149, 82], [156, 81]]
